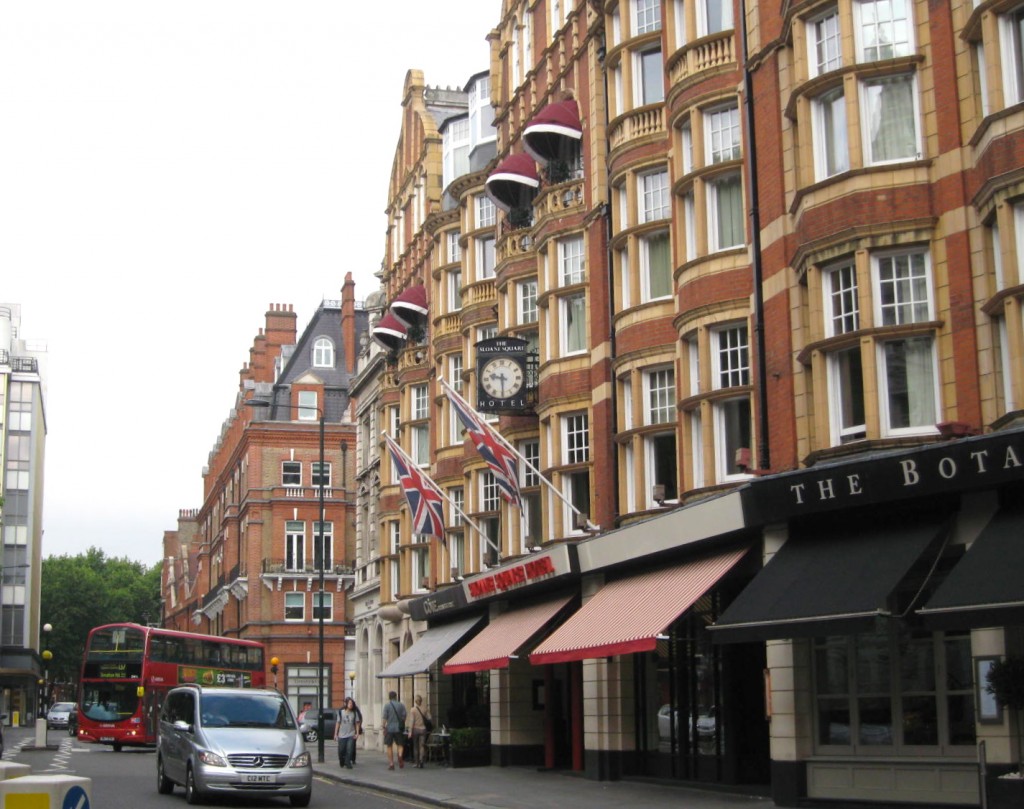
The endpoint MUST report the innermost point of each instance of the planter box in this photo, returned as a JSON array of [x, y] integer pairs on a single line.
[[1004, 793], [471, 757]]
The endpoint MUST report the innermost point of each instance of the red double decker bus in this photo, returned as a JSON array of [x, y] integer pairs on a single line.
[[128, 668]]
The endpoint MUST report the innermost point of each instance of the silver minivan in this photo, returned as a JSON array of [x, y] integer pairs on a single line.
[[231, 741]]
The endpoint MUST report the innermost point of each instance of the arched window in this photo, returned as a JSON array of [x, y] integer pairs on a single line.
[[323, 353]]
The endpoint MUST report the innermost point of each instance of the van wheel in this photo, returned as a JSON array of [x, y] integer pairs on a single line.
[[164, 785], [311, 736], [301, 800], [191, 793]]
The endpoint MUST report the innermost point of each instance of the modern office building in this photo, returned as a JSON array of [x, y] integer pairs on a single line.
[[22, 454], [254, 561], [759, 267]]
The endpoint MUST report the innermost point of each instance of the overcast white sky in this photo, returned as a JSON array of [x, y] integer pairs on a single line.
[[168, 170]]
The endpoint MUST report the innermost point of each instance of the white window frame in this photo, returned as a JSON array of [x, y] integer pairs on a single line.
[[288, 479], [831, 136], [841, 292], [892, 25], [571, 261], [679, 15], [575, 438], [725, 15], [660, 396], [297, 599], [926, 428], [714, 217], [420, 563], [649, 272], [626, 286], [722, 443], [690, 225], [696, 449], [839, 389], [908, 287], [322, 600], [1011, 47], [865, 93], [646, 16], [295, 545], [454, 281], [628, 417], [566, 307], [654, 199], [526, 302], [485, 258], [723, 140], [454, 246], [643, 63], [326, 543], [315, 478], [308, 406], [824, 42], [485, 210], [323, 353], [730, 359]]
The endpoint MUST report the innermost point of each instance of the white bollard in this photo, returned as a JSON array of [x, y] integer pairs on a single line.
[[12, 769], [46, 792], [41, 732]]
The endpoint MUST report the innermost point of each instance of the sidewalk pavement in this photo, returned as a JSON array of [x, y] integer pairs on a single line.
[[516, 787]]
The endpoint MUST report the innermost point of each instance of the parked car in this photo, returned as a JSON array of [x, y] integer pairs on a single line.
[[231, 741], [309, 724], [57, 716]]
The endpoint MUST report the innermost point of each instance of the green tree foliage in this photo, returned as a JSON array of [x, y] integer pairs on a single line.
[[80, 592]]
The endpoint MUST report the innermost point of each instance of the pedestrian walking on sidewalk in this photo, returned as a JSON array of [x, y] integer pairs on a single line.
[[420, 725], [345, 731], [393, 722]]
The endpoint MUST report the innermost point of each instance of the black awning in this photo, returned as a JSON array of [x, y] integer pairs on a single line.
[[986, 587], [834, 582]]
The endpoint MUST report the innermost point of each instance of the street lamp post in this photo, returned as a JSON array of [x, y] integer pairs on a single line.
[[323, 556]]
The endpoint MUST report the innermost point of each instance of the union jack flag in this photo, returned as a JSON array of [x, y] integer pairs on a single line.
[[501, 460], [421, 493]]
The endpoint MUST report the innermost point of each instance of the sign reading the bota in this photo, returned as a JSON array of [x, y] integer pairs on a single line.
[[950, 466]]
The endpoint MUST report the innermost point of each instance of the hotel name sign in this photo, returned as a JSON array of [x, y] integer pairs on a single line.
[[967, 463], [518, 575]]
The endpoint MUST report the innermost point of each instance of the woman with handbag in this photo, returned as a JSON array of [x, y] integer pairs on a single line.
[[421, 725]]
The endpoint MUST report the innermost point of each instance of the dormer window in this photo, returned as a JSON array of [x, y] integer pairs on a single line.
[[323, 353]]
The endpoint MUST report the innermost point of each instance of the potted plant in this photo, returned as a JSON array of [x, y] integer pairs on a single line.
[[1006, 684], [470, 747]]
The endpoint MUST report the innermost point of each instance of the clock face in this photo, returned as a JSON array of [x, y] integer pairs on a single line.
[[502, 378]]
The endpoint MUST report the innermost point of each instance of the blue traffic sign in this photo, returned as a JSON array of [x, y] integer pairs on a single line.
[[75, 798]]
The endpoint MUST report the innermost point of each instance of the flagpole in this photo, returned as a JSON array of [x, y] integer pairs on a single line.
[[444, 496], [452, 392]]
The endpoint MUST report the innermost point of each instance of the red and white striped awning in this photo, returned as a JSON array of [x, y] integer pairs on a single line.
[[389, 332], [503, 637], [627, 615], [552, 129], [410, 307], [514, 183]]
